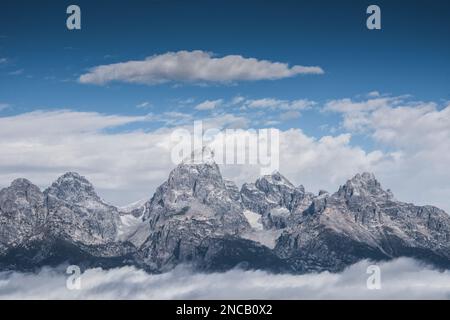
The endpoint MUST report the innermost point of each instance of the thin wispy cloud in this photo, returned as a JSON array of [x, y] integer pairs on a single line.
[[286, 116], [16, 72], [271, 103], [4, 106], [373, 94], [144, 105], [194, 67], [209, 104]]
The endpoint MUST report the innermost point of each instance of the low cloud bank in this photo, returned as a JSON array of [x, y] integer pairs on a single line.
[[400, 279]]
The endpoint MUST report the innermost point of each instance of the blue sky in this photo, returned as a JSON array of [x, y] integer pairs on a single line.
[[41, 63], [408, 56]]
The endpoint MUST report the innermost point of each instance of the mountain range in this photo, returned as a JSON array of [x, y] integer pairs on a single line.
[[197, 217]]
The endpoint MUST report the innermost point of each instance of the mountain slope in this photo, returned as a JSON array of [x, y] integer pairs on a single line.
[[197, 217], [22, 213], [75, 209], [188, 212], [68, 222], [361, 221], [275, 198]]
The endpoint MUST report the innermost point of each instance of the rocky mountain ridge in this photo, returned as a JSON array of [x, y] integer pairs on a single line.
[[197, 217]]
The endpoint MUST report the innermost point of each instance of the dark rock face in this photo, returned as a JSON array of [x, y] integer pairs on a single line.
[[199, 218], [75, 211], [275, 199], [68, 222], [363, 221], [22, 212], [194, 206]]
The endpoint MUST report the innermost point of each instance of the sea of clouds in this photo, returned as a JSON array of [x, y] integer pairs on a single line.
[[400, 279]]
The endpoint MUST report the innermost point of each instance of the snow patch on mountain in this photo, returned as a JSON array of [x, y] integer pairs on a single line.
[[133, 206], [267, 238], [128, 225], [196, 216], [254, 219]]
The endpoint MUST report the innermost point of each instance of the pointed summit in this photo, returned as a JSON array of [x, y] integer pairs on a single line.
[[198, 217], [274, 197], [363, 185], [196, 176], [196, 172], [21, 183], [21, 189], [74, 188], [365, 176], [275, 178], [73, 177], [86, 218], [196, 187]]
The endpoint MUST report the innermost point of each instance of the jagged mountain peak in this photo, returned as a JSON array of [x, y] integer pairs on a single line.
[[22, 183], [276, 178], [21, 211], [194, 205], [191, 174], [363, 185], [365, 177], [196, 175], [78, 214], [22, 188], [205, 155], [72, 187], [274, 197], [72, 176], [196, 210], [197, 170], [187, 182]]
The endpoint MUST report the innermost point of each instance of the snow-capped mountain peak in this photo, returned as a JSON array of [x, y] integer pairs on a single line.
[[198, 217], [364, 185], [73, 187], [21, 183], [275, 178], [205, 155]]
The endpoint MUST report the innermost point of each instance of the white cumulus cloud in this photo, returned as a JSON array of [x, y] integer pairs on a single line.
[[128, 164], [193, 67], [417, 132]]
